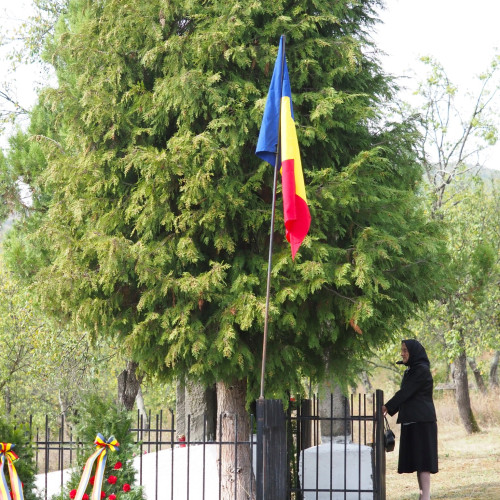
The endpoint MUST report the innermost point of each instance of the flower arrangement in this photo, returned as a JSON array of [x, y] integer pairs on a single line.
[[116, 479], [113, 487], [17, 434]]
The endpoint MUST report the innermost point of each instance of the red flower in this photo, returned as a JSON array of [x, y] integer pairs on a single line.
[[85, 497], [91, 480], [118, 466], [112, 496], [112, 479], [103, 495], [72, 494], [126, 487]]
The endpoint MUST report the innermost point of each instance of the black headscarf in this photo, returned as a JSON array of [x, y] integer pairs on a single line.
[[417, 353]]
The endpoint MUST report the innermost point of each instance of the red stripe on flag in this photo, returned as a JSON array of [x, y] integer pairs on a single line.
[[288, 188], [295, 209]]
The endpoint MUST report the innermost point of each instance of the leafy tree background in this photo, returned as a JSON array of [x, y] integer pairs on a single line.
[[49, 367], [37, 351], [452, 140], [462, 326]]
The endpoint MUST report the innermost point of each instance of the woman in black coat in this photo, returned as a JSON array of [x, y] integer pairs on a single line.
[[417, 416]]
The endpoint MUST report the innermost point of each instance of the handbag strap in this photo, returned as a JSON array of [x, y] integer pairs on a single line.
[[387, 427]]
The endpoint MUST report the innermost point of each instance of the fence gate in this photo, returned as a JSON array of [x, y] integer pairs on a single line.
[[319, 465]]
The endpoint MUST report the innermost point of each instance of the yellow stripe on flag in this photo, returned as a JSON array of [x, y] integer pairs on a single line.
[[290, 146]]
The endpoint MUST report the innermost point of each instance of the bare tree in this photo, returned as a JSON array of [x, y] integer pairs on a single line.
[[453, 137]]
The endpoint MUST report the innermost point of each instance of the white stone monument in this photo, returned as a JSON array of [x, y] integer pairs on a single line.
[[322, 467]]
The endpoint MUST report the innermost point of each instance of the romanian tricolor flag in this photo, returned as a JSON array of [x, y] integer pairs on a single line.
[[278, 129]]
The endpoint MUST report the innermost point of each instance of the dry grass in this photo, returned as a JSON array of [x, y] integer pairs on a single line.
[[469, 465]]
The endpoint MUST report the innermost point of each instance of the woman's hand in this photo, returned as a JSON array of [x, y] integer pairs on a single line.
[[384, 410]]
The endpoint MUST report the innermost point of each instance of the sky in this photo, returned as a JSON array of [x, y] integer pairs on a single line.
[[461, 34]]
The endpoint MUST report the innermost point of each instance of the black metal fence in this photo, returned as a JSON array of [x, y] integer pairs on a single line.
[[348, 465]]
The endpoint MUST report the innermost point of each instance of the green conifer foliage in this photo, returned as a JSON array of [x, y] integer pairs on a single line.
[[159, 212]]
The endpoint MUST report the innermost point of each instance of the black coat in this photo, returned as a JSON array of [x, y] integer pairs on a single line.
[[414, 399]]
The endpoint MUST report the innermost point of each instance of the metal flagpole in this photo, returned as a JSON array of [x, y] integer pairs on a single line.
[[275, 181]]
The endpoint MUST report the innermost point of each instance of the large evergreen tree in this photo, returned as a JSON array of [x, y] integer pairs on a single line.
[[158, 218], [157, 223]]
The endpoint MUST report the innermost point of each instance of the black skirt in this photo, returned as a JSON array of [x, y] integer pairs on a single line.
[[418, 450]]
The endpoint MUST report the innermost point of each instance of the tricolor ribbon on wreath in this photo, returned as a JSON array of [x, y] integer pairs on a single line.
[[16, 492], [100, 455]]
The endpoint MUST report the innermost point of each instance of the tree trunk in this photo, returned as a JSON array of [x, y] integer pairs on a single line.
[[234, 425], [333, 404], [7, 399], [128, 385], [180, 408], [142, 408], [481, 386], [452, 371], [196, 405], [494, 370], [365, 380], [462, 394], [201, 407], [64, 403]]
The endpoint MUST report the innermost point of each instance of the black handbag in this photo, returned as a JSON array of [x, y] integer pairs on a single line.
[[389, 437]]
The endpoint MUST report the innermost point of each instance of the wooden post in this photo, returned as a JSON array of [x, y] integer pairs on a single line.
[[272, 470]]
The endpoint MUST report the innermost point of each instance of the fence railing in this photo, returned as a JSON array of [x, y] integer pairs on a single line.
[[322, 463]]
